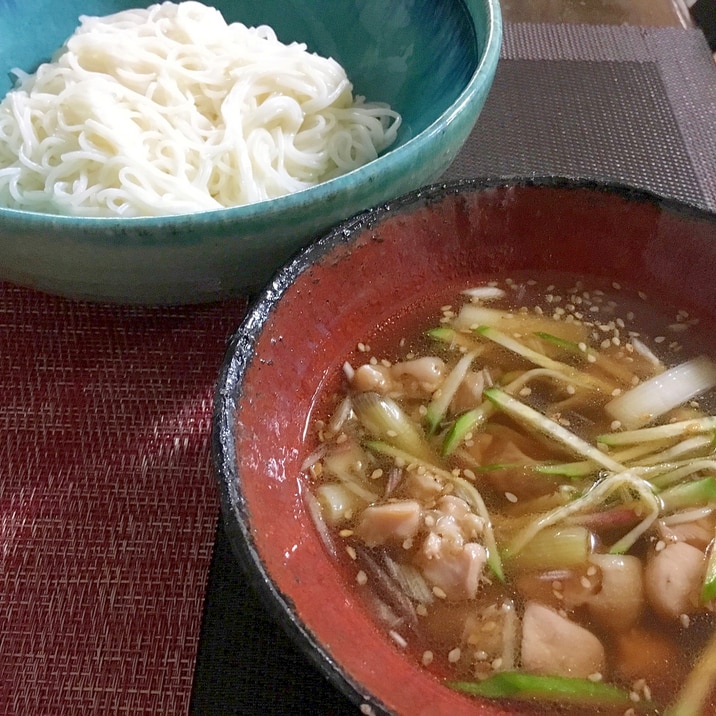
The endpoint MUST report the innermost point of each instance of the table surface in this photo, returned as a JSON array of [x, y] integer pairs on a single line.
[[663, 13], [119, 593]]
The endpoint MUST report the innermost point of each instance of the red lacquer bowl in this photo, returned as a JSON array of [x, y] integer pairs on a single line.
[[310, 318]]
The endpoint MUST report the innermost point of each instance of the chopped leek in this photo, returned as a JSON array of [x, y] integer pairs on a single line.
[[338, 501], [557, 689], [555, 548], [385, 420], [663, 392], [596, 496]]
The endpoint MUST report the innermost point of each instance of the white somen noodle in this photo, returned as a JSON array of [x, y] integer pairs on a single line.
[[170, 110]]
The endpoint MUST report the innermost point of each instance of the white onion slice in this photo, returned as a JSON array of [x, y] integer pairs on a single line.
[[662, 393], [484, 293]]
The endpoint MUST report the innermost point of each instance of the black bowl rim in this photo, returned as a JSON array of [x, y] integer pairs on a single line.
[[240, 354]]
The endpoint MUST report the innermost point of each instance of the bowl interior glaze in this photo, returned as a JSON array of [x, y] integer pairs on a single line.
[[309, 320]]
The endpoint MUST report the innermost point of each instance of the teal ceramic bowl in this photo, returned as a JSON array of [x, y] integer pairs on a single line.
[[432, 60]]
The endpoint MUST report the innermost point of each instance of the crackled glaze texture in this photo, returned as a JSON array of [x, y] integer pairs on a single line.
[[304, 325]]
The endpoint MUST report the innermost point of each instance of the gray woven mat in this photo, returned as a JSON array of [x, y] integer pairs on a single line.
[[627, 104]]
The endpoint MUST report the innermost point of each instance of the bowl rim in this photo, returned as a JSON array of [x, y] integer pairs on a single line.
[[240, 354], [399, 158]]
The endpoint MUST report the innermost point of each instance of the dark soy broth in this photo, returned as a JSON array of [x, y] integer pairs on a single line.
[[481, 478]]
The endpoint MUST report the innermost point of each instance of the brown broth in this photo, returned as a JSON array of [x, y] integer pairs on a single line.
[[650, 658]]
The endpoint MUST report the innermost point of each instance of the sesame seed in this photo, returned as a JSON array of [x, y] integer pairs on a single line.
[[346, 533], [367, 710], [595, 677], [421, 610], [351, 552], [511, 497], [439, 593], [398, 639], [685, 620], [454, 655], [362, 578], [427, 658], [376, 474]]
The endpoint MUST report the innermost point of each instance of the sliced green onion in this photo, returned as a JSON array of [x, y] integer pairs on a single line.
[[468, 492], [534, 419], [579, 378], [472, 315], [654, 397], [407, 458], [581, 350], [708, 590], [683, 428], [689, 447], [464, 425], [640, 451], [438, 406], [573, 470], [453, 338], [672, 473], [553, 689], [689, 494]]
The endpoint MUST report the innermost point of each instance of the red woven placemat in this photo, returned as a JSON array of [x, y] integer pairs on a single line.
[[107, 504]]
